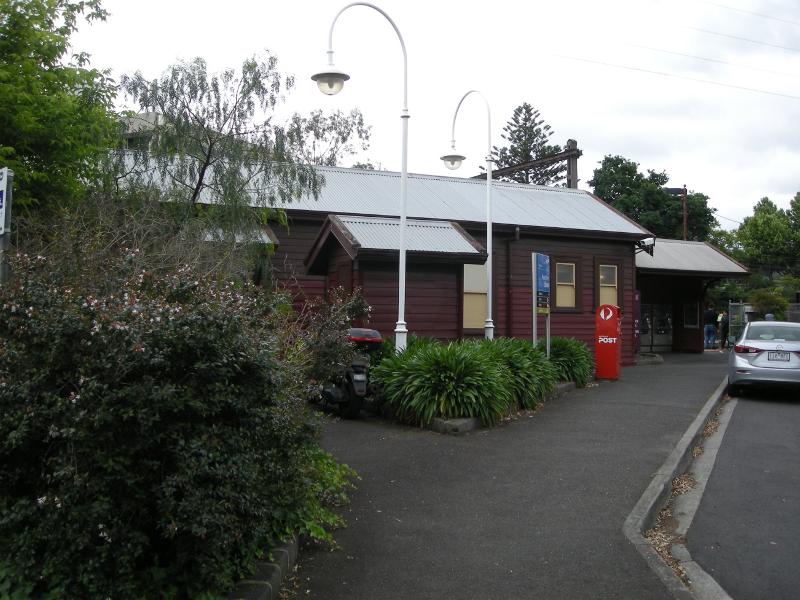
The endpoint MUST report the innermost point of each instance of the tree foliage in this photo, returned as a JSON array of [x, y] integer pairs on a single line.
[[764, 235], [320, 139], [215, 143], [55, 111], [641, 196], [528, 138], [769, 238], [768, 244]]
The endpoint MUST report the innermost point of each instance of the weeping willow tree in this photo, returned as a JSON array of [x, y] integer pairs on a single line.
[[207, 142]]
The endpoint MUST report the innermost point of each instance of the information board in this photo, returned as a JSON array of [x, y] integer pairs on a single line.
[[541, 288]]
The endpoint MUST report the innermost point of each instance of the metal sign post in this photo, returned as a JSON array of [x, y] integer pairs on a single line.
[[6, 177], [541, 295]]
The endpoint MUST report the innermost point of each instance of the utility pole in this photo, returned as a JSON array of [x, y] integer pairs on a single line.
[[685, 214], [6, 177], [683, 193]]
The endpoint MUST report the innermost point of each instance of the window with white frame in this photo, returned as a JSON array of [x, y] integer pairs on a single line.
[[475, 292], [565, 285], [608, 284]]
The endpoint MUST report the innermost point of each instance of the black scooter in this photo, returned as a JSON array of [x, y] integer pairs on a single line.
[[348, 395]]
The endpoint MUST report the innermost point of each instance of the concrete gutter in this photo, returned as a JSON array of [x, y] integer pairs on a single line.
[[265, 582], [657, 494]]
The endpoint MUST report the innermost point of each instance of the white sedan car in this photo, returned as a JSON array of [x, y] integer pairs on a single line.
[[767, 352]]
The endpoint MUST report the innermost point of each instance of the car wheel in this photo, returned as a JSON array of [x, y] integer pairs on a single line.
[[734, 390]]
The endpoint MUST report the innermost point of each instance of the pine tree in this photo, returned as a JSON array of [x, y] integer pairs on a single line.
[[528, 139]]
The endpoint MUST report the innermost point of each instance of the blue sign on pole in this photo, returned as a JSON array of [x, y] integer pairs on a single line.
[[543, 273], [541, 283]]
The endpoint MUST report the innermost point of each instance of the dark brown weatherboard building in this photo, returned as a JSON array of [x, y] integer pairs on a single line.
[[349, 237]]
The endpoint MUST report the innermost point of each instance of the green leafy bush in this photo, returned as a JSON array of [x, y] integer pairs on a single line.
[[571, 358], [148, 444], [459, 379], [531, 376]]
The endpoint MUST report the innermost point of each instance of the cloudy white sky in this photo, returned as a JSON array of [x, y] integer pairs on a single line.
[[708, 91]]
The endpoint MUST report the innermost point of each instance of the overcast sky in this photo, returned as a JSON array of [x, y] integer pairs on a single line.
[[708, 91]]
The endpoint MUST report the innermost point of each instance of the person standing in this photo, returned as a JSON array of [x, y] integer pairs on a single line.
[[709, 328], [724, 327]]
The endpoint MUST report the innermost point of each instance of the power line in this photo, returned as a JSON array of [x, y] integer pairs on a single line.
[[727, 218], [674, 76], [714, 60], [743, 39], [750, 12]]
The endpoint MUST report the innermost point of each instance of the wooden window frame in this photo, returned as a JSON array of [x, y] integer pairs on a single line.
[[608, 262], [570, 260], [470, 330]]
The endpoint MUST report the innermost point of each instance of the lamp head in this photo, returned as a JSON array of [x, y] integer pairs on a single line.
[[331, 80], [453, 160]]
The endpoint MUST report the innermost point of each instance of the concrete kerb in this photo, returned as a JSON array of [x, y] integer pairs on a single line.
[[458, 426], [265, 582], [644, 514], [685, 506]]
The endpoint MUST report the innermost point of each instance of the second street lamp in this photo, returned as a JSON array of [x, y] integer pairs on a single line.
[[330, 81], [453, 160]]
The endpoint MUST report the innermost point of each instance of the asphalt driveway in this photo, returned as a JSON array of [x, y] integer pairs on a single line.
[[531, 509]]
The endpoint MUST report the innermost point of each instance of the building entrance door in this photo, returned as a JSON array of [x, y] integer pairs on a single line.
[[656, 328]]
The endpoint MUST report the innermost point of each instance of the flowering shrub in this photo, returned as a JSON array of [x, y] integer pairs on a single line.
[[151, 442]]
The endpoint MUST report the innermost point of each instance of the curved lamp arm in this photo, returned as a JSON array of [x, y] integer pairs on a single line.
[[399, 36], [453, 161], [488, 123], [330, 82]]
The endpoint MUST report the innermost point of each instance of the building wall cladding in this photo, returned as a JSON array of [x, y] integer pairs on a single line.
[[513, 294], [433, 298], [434, 301], [294, 242]]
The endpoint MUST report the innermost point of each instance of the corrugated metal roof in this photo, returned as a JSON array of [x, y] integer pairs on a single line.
[[377, 233], [357, 191], [677, 255]]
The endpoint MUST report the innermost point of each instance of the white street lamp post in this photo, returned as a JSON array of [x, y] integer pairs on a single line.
[[453, 160], [330, 81]]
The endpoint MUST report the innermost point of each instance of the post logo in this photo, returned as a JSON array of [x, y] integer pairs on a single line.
[[604, 339], [606, 314]]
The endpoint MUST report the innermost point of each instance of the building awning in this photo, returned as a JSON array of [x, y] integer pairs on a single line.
[[378, 238], [698, 259]]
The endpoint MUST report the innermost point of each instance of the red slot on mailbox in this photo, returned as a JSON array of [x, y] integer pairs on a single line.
[[607, 342]]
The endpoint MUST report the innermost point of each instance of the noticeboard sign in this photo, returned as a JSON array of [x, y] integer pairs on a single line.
[[543, 273], [541, 283]]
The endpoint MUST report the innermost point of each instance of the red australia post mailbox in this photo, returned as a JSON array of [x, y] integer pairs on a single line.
[[607, 342]]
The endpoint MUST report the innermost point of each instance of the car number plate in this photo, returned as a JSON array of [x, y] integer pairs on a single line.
[[784, 356]]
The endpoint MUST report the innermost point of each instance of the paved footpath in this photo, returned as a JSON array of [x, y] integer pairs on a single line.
[[531, 509]]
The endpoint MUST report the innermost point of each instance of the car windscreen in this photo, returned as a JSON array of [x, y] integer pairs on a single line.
[[777, 332]]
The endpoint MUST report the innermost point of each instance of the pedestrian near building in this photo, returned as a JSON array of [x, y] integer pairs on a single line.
[[709, 328], [724, 328]]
